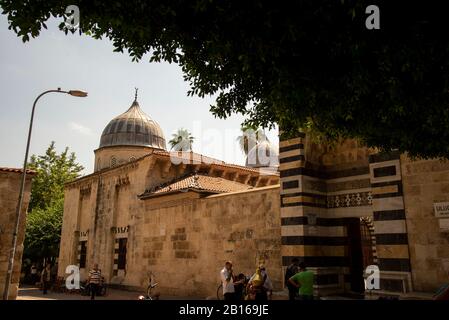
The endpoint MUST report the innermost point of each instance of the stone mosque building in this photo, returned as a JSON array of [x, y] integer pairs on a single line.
[[180, 215]]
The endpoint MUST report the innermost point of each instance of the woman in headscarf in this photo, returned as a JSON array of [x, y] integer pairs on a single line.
[[260, 286]]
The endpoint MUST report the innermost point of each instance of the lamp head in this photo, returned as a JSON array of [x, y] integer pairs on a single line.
[[77, 93]]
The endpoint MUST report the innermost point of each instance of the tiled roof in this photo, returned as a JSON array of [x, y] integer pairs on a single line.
[[197, 158], [188, 155], [203, 159], [16, 170], [198, 182]]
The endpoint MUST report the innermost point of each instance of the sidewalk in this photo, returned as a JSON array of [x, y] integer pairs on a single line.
[[33, 293]]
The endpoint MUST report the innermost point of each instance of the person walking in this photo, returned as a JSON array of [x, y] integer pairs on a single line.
[[291, 270], [227, 281], [94, 281], [34, 276], [46, 278], [303, 281], [54, 272]]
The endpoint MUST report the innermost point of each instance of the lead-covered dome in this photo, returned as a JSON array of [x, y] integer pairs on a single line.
[[133, 128]]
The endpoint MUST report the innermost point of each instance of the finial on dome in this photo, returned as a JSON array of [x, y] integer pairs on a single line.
[[135, 96]]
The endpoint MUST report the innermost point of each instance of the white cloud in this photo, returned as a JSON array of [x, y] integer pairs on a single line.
[[80, 128]]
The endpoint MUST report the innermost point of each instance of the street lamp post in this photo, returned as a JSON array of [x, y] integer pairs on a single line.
[[75, 93]]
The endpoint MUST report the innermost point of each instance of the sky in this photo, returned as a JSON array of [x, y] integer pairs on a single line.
[[79, 62]]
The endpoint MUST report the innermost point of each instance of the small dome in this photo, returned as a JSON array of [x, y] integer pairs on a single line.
[[262, 155], [133, 128]]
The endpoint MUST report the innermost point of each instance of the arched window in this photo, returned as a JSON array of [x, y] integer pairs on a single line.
[[113, 161]]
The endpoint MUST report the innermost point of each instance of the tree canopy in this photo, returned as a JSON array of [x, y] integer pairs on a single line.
[[53, 171], [43, 232], [44, 220], [309, 63]]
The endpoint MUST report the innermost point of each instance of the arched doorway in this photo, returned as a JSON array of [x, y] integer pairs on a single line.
[[367, 242], [361, 250]]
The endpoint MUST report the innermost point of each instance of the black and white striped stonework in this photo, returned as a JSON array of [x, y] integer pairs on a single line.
[[317, 241], [116, 253], [390, 221]]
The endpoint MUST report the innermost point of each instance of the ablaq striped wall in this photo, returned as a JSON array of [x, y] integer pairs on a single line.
[[305, 233], [293, 199], [327, 195], [389, 222]]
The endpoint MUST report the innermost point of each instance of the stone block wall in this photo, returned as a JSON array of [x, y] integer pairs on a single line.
[[185, 241], [426, 182], [9, 195], [115, 156], [325, 191]]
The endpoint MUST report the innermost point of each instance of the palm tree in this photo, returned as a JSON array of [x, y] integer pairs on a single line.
[[182, 140], [250, 137]]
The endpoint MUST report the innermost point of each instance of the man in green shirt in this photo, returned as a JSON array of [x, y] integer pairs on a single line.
[[303, 280]]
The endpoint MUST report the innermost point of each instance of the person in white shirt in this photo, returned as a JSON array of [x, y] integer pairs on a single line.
[[268, 285], [227, 280]]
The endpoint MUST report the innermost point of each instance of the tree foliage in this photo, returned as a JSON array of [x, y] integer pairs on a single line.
[[53, 171], [250, 137], [43, 232], [182, 140], [309, 63], [44, 220]]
